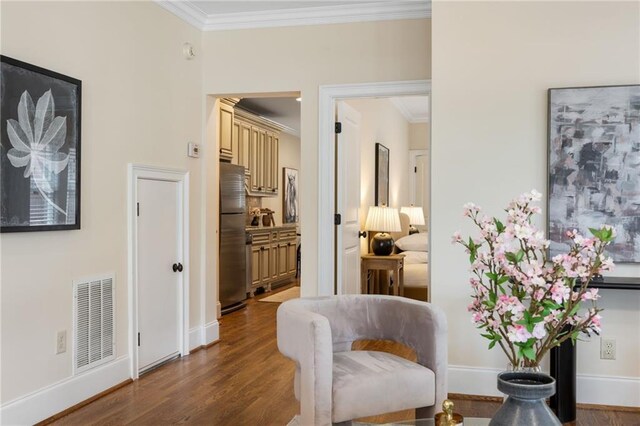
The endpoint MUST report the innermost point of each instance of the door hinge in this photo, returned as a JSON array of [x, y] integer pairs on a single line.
[[338, 127], [138, 339], [138, 209], [415, 169], [337, 219]]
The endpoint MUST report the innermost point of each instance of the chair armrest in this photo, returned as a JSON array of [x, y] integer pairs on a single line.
[[305, 337]]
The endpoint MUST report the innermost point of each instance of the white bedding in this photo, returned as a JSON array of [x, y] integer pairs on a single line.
[[415, 275], [413, 257]]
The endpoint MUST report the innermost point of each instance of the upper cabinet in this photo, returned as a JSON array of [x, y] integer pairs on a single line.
[[252, 142]]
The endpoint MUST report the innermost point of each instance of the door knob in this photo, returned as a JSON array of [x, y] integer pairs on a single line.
[[362, 234], [177, 267]]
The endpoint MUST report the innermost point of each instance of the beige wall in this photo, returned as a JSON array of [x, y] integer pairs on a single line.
[[141, 103], [381, 122], [302, 58], [289, 156], [493, 63], [419, 136]]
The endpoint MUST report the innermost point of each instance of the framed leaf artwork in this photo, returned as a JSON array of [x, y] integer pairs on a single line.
[[382, 175], [39, 148]]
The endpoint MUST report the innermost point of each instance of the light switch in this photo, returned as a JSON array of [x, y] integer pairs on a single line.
[[194, 150]]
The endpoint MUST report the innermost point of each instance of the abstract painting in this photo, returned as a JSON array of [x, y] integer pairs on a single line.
[[290, 198], [594, 166], [39, 148], [382, 175]]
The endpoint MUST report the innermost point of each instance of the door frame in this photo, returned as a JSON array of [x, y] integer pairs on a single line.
[[181, 177], [327, 97]]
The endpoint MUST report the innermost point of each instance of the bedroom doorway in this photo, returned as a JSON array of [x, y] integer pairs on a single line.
[[386, 119]]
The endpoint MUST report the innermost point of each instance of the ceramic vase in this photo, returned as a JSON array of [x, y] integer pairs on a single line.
[[526, 399]]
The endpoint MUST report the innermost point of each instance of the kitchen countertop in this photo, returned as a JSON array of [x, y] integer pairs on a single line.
[[263, 228]]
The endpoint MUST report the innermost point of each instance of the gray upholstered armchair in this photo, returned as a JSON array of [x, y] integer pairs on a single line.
[[335, 384]]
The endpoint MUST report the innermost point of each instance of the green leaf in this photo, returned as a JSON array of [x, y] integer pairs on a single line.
[[529, 353], [574, 309], [520, 256], [503, 279], [492, 276], [511, 257], [492, 344], [499, 226], [596, 233]]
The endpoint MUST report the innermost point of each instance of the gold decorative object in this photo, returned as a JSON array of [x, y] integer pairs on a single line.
[[447, 417]]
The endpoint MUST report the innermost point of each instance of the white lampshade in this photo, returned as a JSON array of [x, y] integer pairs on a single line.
[[383, 219], [416, 215]]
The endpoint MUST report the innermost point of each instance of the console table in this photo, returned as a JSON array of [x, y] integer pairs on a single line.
[[563, 357]]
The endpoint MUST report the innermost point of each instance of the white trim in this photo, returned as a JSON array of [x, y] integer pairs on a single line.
[[195, 338], [211, 332], [591, 389], [181, 177], [318, 15], [50, 400], [407, 114], [327, 97]]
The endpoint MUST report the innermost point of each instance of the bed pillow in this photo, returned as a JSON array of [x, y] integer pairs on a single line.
[[413, 242], [412, 257]]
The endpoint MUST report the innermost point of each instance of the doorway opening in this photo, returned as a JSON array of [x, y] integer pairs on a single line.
[[253, 179], [378, 119]]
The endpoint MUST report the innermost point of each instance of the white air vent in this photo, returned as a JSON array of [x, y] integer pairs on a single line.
[[93, 332]]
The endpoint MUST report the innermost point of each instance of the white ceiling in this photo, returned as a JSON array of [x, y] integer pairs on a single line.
[[240, 14], [286, 111]]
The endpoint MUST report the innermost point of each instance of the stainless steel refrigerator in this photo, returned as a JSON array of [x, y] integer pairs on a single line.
[[232, 238]]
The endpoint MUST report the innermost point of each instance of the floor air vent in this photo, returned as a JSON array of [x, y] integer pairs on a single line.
[[93, 322]]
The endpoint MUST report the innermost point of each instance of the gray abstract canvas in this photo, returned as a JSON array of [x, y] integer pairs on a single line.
[[594, 166]]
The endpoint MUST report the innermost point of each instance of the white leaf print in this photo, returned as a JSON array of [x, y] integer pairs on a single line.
[[36, 138]]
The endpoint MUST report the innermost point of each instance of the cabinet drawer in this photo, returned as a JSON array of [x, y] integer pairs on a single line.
[[287, 234], [261, 238]]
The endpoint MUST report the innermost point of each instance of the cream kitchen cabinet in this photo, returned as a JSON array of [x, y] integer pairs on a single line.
[[273, 256], [225, 129]]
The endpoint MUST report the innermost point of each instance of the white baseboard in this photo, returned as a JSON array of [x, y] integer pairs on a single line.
[[195, 338], [211, 332], [53, 399], [202, 336], [601, 390]]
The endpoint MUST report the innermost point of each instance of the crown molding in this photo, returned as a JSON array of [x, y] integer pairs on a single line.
[[338, 14], [407, 114]]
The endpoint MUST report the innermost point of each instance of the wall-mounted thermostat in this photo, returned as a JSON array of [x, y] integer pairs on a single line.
[[194, 150]]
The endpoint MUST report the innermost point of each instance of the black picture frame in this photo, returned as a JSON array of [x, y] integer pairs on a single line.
[[567, 175], [382, 175], [42, 195]]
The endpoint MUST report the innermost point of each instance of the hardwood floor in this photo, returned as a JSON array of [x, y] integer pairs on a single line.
[[244, 380]]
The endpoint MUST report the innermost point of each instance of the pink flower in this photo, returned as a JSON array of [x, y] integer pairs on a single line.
[[538, 294], [560, 292], [539, 331], [456, 238], [470, 209], [518, 333], [590, 294]]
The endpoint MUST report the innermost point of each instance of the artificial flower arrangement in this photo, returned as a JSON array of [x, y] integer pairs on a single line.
[[524, 302], [254, 212]]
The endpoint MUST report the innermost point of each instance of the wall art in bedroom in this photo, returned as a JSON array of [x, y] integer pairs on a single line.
[[594, 166], [39, 148], [290, 198]]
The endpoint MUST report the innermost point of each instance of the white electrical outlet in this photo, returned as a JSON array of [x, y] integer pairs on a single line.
[[61, 342], [607, 349]]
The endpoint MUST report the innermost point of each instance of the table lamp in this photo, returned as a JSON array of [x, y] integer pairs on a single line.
[[384, 220], [416, 217]]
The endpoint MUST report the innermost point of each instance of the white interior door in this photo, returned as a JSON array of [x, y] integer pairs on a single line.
[[422, 187], [159, 287], [348, 201]]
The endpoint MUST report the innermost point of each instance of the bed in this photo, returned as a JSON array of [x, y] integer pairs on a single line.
[[415, 249]]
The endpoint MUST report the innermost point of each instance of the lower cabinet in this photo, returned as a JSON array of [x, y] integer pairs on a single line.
[[274, 257]]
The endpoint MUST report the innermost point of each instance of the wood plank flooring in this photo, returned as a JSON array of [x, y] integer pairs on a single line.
[[244, 380]]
